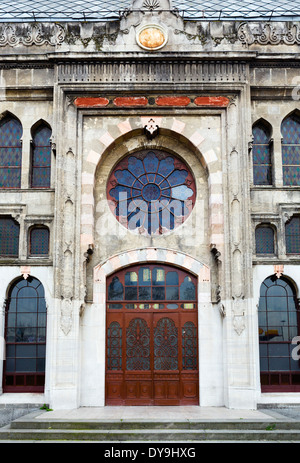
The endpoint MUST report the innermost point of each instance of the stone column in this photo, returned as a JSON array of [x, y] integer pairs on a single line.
[[237, 271], [67, 263]]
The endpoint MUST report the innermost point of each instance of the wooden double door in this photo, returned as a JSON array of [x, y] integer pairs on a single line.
[[151, 343]]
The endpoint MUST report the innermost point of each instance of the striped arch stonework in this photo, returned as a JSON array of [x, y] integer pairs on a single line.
[[177, 128], [142, 256]]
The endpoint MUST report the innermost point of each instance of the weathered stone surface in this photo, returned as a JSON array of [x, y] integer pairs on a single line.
[[202, 92]]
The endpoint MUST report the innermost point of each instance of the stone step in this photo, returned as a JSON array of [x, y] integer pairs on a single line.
[[149, 435], [37, 427], [189, 425]]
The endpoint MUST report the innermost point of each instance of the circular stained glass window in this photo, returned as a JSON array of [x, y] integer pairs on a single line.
[[151, 192]]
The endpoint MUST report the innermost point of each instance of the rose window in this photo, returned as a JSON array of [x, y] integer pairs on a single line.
[[151, 192]]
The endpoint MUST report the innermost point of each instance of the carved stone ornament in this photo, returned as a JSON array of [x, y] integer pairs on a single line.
[[239, 323], [151, 129], [31, 34], [278, 270], [25, 271], [266, 33], [222, 309], [151, 37], [151, 4], [66, 316]]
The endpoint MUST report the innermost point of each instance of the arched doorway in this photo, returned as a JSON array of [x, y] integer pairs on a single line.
[[152, 337], [25, 337], [278, 316]]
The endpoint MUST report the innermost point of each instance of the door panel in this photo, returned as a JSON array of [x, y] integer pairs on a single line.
[[152, 349]]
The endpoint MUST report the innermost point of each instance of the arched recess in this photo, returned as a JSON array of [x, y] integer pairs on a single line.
[[290, 145], [262, 148], [150, 258], [25, 336], [278, 325], [41, 154], [11, 132], [196, 143]]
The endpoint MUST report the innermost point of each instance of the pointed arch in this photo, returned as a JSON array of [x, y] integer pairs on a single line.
[[262, 152], [290, 130], [10, 151], [41, 155]]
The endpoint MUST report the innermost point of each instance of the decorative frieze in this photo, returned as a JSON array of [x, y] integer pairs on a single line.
[[146, 71], [160, 101], [31, 34], [269, 33]]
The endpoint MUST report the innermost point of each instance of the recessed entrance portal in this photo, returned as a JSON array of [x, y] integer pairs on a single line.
[[151, 342]]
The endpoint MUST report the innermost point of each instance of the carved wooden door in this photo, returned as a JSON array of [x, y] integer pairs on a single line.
[[151, 342]]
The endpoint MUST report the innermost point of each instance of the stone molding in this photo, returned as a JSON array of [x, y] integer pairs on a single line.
[[268, 33], [152, 70], [31, 34], [54, 34], [163, 255]]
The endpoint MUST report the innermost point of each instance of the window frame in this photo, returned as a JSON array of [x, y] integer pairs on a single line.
[[29, 243], [8, 117], [33, 146]]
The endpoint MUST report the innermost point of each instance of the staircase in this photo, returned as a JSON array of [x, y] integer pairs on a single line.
[[31, 428]]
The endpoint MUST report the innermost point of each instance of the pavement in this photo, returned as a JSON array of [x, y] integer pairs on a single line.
[[172, 413]]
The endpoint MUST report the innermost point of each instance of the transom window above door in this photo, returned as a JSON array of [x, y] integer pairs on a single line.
[[151, 192], [152, 287]]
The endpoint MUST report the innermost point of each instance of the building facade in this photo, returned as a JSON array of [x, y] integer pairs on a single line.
[[150, 210]]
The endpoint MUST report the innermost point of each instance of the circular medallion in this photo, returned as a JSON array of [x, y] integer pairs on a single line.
[[151, 37]]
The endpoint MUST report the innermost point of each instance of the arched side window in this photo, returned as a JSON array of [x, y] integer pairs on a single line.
[[10, 152], [290, 129], [39, 241], [292, 236], [25, 337], [41, 157], [278, 319], [264, 239], [262, 154], [9, 237]]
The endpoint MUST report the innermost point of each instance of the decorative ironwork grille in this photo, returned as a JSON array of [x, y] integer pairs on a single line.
[[138, 345], [114, 346], [189, 346], [165, 345]]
